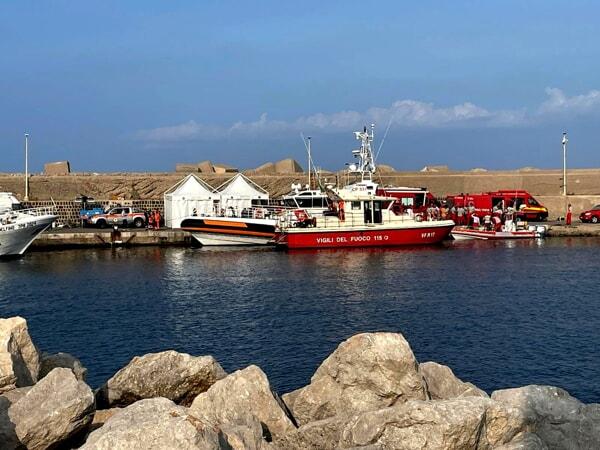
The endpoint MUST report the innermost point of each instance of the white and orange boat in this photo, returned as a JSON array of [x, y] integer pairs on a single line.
[[531, 232], [359, 217]]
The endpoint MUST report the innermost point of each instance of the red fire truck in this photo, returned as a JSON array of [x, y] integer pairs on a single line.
[[527, 207]]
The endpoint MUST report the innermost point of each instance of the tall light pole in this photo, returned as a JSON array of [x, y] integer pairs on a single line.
[[564, 146], [26, 167]]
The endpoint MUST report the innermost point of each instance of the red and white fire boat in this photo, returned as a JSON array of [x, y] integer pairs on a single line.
[[359, 217]]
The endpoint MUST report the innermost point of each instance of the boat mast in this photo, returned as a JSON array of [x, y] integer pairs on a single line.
[[26, 198], [366, 161], [309, 186]]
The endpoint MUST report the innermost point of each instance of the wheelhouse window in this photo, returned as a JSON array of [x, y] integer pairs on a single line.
[[408, 201], [356, 205]]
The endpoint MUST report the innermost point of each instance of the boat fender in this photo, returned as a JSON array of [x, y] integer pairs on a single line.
[[419, 218], [314, 221]]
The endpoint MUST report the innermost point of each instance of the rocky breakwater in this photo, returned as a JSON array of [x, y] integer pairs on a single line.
[[370, 393]]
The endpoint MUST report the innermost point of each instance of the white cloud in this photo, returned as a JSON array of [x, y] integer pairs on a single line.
[[400, 114], [559, 103]]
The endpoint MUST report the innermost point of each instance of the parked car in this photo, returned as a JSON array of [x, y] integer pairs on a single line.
[[88, 209], [124, 216], [591, 215]]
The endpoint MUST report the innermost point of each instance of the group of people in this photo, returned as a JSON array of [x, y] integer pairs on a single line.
[[468, 215], [154, 219]]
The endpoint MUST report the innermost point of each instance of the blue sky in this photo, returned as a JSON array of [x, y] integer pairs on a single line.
[[141, 85]]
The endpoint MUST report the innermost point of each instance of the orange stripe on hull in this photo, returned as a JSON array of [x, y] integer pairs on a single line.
[[224, 223], [238, 232]]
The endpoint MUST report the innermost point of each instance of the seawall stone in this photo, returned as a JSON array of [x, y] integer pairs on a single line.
[[243, 394], [19, 358], [367, 371], [155, 423], [53, 411], [176, 376]]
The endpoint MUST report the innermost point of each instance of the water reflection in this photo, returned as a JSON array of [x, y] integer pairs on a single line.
[[500, 313]]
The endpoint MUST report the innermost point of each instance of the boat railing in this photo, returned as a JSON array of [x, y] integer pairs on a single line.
[[38, 211], [255, 212], [23, 216]]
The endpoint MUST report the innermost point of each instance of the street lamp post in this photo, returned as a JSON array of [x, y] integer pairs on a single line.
[[26, 167], [564, 146]]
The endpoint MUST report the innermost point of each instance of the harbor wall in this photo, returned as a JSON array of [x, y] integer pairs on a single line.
[[583, 186]]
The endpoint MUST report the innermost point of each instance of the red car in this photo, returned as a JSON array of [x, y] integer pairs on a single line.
[[591, 215]]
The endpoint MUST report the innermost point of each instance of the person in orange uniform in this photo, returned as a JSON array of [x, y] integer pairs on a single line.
[[569, 214], [151, 220], [157, 219]]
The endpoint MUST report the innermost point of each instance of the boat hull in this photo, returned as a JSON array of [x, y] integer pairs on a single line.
[[218, 239], [218, 231], [15, 239], [364, 237], [460, 233]]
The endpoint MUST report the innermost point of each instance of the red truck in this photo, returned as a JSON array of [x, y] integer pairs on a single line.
[[526, 206]]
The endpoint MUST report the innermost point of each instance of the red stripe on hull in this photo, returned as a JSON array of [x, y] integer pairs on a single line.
[[365, 238]]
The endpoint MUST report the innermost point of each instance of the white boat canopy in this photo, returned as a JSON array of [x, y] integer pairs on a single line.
[[188, 195], [241, 192]]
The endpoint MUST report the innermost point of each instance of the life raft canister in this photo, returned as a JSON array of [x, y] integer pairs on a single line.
[[341, 214]]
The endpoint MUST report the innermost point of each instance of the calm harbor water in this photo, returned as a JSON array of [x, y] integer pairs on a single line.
[[500, 314]]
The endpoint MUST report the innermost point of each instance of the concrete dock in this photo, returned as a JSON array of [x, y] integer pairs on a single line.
[[576, 230], [89, 237]]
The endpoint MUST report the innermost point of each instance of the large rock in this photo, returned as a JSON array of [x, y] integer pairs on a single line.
[[19, 359], [368, 371], [239, 396], [444, 424], [321, 434], [524, 441], [56, 409], [442, 384], [244, 436], [176, 376], [561, 421], [156, 423], [463, 423], [51, 362]]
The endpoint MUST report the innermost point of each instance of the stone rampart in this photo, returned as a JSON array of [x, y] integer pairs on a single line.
[[584, 187]]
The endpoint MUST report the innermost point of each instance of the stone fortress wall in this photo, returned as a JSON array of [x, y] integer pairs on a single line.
[[583, 186]]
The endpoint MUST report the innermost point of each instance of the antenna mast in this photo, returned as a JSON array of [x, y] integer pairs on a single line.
[[366, 161]]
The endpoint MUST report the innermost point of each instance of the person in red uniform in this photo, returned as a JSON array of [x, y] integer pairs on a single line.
[[569, 214], [157, 219]]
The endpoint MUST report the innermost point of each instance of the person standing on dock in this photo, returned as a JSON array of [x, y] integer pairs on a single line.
[[150, 220], [569, 215], [157, 219]]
